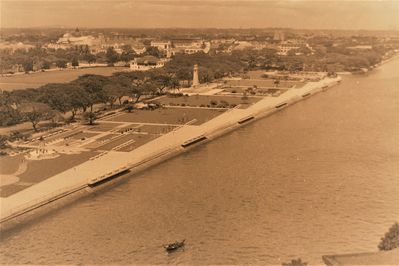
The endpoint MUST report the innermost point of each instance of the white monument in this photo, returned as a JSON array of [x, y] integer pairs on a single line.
[[195, 76]]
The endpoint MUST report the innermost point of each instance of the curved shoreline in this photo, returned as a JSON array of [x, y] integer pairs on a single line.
[[106, 167]]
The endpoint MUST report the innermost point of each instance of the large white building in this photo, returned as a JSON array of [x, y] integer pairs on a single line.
[[96, 44]]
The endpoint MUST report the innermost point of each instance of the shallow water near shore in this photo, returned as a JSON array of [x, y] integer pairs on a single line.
[[320, 177]]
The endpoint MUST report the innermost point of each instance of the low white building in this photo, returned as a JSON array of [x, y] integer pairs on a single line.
[[293, 44], [204, 49], [283, 49], [146, 63], [190, 46]]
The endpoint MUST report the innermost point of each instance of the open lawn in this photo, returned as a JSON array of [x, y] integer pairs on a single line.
[[259, 91], [107, 137], [206, 100], [35, 80], [135, 136], [138, 141], [83, 135], [169, 116], [9, 164], [40, 170], [156, 129], [118, 141], [266, 83], [103, 127]]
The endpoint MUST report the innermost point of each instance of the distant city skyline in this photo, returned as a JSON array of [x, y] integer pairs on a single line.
[[322, 14]]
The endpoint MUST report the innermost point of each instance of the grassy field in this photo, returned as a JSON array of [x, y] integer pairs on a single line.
[[9, 165], [35, 80], [168, 116], [156, 129], [119, 141], [39, 170], [138, 141], [259, 92], [103, 127], [141, 134], [269, 83], [205, 100]]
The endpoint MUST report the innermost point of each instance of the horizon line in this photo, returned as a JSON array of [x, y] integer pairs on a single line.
[[193, 28]]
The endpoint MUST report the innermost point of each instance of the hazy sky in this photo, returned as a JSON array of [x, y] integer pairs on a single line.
[[307, 14]]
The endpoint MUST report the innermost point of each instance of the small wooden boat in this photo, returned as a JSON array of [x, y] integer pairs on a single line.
[[174, 246]]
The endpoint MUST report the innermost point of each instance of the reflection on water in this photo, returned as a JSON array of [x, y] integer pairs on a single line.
[[317, 178]]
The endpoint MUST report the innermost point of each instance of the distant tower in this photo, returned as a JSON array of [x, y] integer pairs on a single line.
[[195, 76], [279, 36], [276, 36]]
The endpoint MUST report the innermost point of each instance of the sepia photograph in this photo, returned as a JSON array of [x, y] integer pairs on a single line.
[[199, 132]]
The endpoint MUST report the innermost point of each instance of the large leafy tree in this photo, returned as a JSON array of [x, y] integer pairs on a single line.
[[153, 51], [75, 62], [112, 92], [93, 85], [78, 99], [89, 117], [142, 87], [128, 53], [55, 95], [90, 58], [161, 80], [391, 238], [28, 65], [35, 112], [61, 63], [8, 113], [111, 55]]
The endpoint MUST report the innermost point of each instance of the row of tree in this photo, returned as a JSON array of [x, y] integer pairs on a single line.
[[81, 95]]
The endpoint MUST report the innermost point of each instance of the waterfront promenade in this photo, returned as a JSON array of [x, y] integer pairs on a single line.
[[78, 177]]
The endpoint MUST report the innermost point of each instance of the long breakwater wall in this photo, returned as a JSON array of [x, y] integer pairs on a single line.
[[112, 164]]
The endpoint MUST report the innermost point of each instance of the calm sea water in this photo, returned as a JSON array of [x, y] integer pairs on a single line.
[[319, 177]]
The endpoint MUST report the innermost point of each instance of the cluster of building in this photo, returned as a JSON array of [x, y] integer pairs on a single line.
[[182, 45], [278, 42], [100, 43], [97, 44], [169, 48], [14, 46]]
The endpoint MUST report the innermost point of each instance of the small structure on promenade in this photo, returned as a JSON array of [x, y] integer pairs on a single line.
[[41, 153]]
